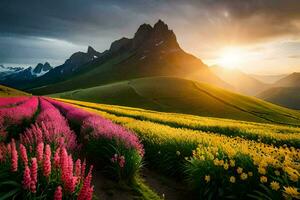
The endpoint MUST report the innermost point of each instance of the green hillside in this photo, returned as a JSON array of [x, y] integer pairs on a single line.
[[7, 91], [172, 94], [284, 96]]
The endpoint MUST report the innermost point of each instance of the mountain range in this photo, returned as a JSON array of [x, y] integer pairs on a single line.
[[152, 52], [16, 77]]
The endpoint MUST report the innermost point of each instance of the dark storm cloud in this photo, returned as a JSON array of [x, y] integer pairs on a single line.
[[99, 22]]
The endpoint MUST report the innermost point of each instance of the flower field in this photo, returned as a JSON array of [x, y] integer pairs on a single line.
[[47, 150], [217, 158]]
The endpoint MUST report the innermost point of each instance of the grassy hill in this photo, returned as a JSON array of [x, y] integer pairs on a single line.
[[6, 91], [172, 94], [284, 96]]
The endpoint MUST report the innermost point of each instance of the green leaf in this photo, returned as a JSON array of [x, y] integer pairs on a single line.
[[8, 195]]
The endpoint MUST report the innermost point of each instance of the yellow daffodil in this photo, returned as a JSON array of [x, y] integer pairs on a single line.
[[207, 178], [232, 179], [239, 170], [263, 179], [275, 185]]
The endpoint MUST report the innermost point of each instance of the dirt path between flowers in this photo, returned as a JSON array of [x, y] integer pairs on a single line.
[[106, 189]]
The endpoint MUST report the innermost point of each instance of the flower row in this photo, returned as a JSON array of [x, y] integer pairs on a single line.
[[50, 127]]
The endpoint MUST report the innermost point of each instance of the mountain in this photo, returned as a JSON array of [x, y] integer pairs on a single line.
[[292, 80], [172, 94], [284, 96], [242, 83], [21, 77], [268, 79], [41, 69], [4, 71], [284, 92], [153, 51]]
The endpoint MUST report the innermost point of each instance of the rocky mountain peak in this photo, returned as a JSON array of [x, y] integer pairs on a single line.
[[42, 68]]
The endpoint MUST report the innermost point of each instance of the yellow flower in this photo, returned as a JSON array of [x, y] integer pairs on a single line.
[[277, 173], [232, 163], [207, 178], [239, 170], [275, 185], [226, 166], [216, 162], [263, 179], [291, 192], [178, 153], [244, 176], [232, 179], [262, 170], [250, 174], [221, 162]]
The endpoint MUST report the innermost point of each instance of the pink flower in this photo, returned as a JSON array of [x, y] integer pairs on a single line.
[[33, 186], [26, 178], [47, 162], [14, 156], [78, 168], [58, 193], [33, 169], [86, 191], [57, 158], [40, 152], [23, 153]]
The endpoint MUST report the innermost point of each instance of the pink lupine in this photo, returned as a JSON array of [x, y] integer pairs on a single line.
[[33, 170], [57, 158], [47, 162], [33, 186], [89, 195], [58, 193], [14, 156], [83, 166], [78, 168], [8, 148], [26, 178], [40, 152], [86, 190], [23, 154], [71, 181]]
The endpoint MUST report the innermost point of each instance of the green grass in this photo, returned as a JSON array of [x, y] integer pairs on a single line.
[[169, 94], [8, 92]]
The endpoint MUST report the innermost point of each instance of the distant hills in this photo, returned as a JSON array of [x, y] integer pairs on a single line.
[[285, 92], [268, 79], [242, 82]]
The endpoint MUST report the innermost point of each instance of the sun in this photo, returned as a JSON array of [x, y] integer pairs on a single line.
[[231, 57]]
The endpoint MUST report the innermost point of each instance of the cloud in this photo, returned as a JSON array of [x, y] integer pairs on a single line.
[[201, 25]]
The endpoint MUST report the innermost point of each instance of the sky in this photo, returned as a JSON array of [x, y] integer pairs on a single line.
[[255, 36]]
